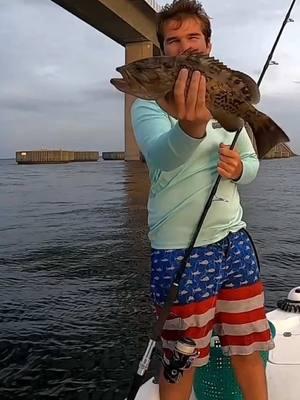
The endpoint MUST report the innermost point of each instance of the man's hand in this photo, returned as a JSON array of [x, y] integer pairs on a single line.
[[230, 165], [187, 104]]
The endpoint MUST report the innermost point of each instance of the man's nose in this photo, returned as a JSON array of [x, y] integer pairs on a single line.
[[185, 47]]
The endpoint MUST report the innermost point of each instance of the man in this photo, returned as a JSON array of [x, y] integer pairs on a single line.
[[185, 149]]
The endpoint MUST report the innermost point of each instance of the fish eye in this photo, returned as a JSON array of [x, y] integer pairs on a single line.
[[245, 90], [237, 81], [139, 68]]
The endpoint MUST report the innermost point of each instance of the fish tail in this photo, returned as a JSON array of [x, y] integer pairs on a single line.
[[266, 132]]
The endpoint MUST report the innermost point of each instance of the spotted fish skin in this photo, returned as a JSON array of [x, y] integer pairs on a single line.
[[230, 94]]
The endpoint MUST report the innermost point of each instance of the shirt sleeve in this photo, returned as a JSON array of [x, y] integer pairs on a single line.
[[163, 146], [248, 156]]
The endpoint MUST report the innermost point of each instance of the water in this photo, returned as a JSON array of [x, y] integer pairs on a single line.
[[74, 301]]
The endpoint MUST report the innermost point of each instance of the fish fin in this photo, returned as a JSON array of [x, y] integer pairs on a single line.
[[266, 132], [228, 121]]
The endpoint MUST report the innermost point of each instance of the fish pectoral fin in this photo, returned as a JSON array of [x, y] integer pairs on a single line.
[[228, 121]]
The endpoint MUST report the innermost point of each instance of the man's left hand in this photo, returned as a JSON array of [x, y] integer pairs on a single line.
[[230, 165]]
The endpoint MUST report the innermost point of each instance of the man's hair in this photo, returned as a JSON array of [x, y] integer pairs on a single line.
[[179, 10]]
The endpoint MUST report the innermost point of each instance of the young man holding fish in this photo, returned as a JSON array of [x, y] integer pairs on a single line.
[[185, 149]]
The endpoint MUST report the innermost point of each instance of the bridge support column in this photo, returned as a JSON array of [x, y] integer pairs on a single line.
[[133, 51]]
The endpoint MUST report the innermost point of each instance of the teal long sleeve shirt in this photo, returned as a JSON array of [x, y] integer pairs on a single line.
[[182, 171]]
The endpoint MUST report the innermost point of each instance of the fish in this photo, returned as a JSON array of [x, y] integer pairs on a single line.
[[231, 95]]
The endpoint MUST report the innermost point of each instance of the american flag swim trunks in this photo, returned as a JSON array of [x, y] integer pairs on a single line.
[[220, 291]]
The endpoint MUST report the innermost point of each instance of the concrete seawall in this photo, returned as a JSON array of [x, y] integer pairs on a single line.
[[113, 155], [54, 156]]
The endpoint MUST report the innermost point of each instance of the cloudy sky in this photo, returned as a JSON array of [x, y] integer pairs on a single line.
[[55, 71]]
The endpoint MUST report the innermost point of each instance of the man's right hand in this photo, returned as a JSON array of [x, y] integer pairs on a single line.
[[187, 105]]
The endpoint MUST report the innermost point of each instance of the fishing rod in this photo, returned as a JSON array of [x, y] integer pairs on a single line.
[[173, 292], [269, 58]]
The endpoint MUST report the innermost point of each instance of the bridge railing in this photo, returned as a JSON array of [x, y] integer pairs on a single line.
[[154, 4]]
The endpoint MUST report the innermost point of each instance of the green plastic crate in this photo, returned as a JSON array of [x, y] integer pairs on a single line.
[[216, 380]]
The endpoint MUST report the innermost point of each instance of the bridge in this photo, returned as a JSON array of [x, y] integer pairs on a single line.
[[131, 23]]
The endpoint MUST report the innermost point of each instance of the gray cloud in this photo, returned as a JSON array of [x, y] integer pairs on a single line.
[[94, 95], [36, 104], [102, 92], [42, 3]]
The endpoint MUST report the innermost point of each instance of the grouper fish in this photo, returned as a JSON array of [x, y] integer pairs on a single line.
[[230, 94]]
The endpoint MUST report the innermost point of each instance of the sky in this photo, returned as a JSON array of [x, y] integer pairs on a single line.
[[55, 72]]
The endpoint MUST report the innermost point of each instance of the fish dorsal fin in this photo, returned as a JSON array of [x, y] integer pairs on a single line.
[[236, 80]]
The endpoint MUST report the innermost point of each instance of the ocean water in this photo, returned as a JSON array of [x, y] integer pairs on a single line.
[[75, 309]]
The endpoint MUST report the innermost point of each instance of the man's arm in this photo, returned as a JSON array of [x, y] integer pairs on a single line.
[[164, 147], [248, 156], [240, 164], [167, 148]]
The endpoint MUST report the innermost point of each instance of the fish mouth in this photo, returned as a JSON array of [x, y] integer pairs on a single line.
[[127, 84], [116, 80], [127, 78], [119, 83], [123, 72]]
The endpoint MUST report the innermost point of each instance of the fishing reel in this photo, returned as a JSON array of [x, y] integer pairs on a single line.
[[183, 355]]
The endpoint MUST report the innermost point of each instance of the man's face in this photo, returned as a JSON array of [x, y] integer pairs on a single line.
[[185, 35]]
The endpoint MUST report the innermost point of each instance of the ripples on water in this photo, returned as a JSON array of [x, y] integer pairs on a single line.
[[74, 301]]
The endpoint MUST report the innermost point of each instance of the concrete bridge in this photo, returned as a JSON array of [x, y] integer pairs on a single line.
[[131, 23]]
